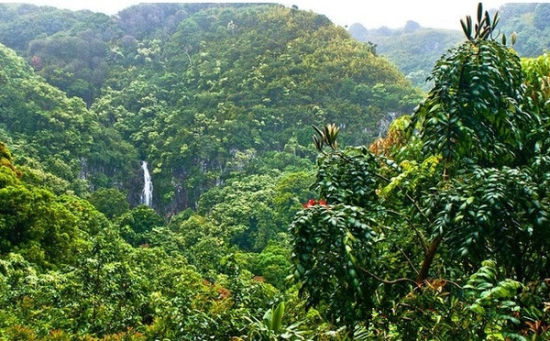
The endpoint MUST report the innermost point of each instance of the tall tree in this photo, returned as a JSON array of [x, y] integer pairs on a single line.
[[447, 188]]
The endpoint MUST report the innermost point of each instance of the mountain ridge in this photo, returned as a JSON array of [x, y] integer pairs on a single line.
[[179, 84], [414, 49]]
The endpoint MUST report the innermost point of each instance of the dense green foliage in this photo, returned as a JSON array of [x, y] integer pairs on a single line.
[[51, 132], [196, 90], [65, 269], [436, 231], [441, 228], [219, 99]]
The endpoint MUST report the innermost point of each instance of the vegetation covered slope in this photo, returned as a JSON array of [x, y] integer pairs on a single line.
[[437, 230], [532, 24], [199, 90], [67, 273], [68, 48], [51, 132], [235, 82], [414, 49]]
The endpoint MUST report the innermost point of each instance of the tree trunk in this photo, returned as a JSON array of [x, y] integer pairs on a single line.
[[428, 259]]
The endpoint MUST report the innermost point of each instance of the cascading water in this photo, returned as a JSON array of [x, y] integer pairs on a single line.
[[385, 122], [147, 193]]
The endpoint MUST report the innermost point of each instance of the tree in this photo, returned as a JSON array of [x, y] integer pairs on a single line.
[[47, 229], [137, 223], [110, 202], [419, 211]]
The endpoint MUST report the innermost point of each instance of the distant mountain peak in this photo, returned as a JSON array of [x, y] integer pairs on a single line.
[[358, 31]]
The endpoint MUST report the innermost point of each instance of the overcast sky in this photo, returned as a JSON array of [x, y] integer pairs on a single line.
[[370, 13]]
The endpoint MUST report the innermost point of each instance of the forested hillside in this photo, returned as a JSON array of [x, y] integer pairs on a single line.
[[414, 49], [199, 90], [51, 132], [433, 226]]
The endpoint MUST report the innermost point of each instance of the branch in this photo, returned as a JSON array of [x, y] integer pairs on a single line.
[[428, 259], [382, 177], [454, 283], [417, 206], [385, 281], [446, 281], [408, 259]]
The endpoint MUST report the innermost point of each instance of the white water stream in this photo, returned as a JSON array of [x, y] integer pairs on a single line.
[[147, 193], [385, 123]]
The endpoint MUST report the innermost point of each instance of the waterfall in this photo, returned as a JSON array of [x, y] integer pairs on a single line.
[[385, 123], [147, 193], [83, 175]]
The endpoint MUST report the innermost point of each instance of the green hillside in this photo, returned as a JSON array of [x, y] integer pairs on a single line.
[[158, 180], [191, 89], [531, 22], [414, 49], [50, 132]]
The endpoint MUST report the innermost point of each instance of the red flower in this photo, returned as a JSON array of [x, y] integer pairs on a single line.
[[309, 204], [312, 202]]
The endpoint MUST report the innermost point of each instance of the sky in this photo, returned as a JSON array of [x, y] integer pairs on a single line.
[[371, 14]]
